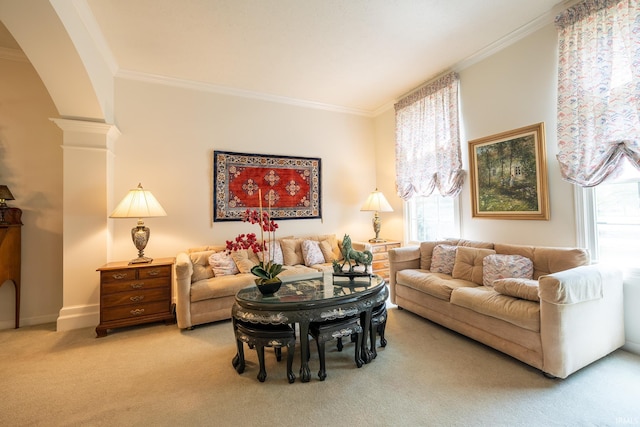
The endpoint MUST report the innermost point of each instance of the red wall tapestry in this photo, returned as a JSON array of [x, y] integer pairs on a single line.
[[292, 184]]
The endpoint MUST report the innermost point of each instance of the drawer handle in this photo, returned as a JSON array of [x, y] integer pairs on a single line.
[[154, 272], [137, 285], [137, 312], [119, 276], [137, 298]]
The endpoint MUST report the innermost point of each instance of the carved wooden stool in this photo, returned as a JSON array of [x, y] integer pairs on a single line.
[[378, 325], [335, 329], [261, 336]]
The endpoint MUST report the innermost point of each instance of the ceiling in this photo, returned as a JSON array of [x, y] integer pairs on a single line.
[[359, 55]]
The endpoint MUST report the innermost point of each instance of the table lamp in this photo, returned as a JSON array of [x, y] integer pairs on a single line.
[[5, 194], [376, 202], [139, 203]]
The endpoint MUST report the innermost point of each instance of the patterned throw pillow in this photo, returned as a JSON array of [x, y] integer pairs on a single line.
[[501, 266], [312, 253], [222, 264], [443, 258], [274, 252]]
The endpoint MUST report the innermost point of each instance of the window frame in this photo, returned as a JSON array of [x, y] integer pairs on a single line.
[[408, 221]]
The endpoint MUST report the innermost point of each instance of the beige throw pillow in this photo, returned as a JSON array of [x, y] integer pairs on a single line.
[[292, 251], [245, 260], [519, 288]]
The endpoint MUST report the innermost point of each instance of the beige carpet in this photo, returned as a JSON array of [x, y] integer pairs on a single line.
[[156, 375]]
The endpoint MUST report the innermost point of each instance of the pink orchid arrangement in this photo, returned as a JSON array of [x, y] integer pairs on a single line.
[[266, 269]]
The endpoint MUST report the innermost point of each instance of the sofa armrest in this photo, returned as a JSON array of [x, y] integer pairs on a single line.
[[581, 317], [184, 271], [575, 285], [400, 259]]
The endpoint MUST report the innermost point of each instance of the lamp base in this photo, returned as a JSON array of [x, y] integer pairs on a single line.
[[377, 240], [141, 260]]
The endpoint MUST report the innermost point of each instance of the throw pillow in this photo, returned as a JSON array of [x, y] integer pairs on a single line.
[[501, 266], [443, 258], [327, 251], [274, 252], [519, 288], [201, 268], [292, 251], [222, 264], [245, 260], [312, 253], [469, 263]]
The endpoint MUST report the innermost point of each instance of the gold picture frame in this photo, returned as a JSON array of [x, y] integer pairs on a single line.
[[509, 175]]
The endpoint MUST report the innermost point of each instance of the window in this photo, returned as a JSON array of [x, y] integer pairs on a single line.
[[431, 218], [611, 224]]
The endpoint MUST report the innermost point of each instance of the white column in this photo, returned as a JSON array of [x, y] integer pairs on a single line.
[[87, 197]]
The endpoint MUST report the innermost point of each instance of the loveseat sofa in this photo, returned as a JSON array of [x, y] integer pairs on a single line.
[[547, 307], [207, 279]]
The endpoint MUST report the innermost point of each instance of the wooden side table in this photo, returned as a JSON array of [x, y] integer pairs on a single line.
[[132, 294], [10, 251], [380, 252]]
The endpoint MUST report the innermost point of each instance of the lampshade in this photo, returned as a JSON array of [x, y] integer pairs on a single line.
[[376, 202], [138, 203], [5, 194]]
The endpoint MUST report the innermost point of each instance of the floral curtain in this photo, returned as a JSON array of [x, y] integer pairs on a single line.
[[598, 89], [428, 141]]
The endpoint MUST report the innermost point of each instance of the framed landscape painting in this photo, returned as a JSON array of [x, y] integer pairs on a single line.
[[509, 175], [288, 186]]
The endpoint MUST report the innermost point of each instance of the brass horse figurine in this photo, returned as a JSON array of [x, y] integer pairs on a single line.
[[365, 257]]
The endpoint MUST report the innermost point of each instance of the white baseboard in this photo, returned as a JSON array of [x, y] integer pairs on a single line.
[[631, 347], [29, 321], [79, 316]]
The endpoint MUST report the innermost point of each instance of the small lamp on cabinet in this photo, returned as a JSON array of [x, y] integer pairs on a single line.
[[139, 203], [5, 194], [376, 202]]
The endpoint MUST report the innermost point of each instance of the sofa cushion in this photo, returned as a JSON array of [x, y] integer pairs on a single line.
[[469, 263], [292, 251], [201, 268], [519, 288], [311, 252], [483, 300], [222, 264], [501, 266], [220, 286], [444, 256], [245, 260], [435, 284], [547, 260], [332, 240]]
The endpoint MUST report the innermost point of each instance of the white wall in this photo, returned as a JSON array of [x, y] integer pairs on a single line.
[[31, 166], [512, 88], [168, 137]]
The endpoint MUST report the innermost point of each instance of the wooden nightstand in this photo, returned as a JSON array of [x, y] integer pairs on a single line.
[[380, 252], [131, 294]]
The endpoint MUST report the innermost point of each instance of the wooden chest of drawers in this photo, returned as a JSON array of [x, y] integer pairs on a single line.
[[135, 294], [380, 252]]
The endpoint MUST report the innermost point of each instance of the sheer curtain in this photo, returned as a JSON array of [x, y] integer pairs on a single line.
[[428, 141], [598, 89]]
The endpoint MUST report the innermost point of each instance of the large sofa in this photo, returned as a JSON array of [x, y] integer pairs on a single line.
[[547, 307], [206, 294]]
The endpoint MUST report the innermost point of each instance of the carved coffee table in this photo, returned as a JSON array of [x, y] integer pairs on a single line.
[[315, 299]]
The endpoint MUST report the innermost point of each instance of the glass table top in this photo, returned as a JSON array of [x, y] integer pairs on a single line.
[[316, 290]]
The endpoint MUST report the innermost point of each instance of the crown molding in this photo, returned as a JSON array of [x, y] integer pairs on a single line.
[[225, 90], [13, 54]]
